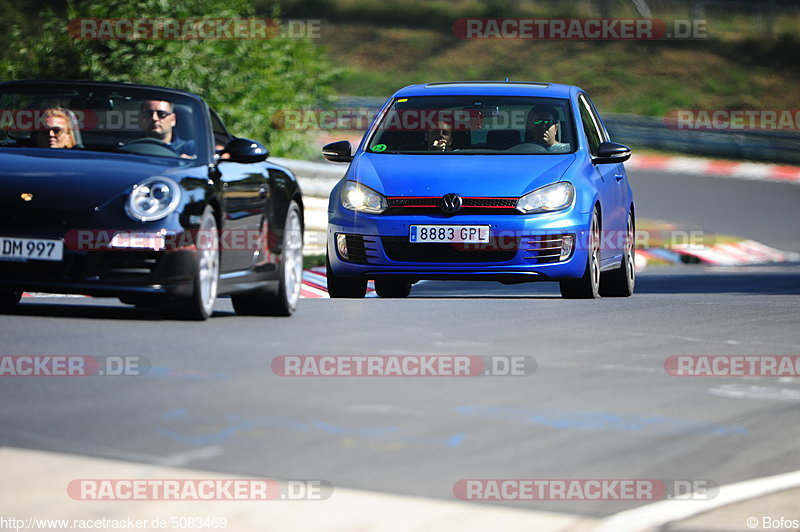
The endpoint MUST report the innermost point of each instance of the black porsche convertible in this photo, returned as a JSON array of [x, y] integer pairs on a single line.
[[140, 192]]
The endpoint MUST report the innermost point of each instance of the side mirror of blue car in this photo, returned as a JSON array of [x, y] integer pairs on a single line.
[[611, 152], [338, 152]]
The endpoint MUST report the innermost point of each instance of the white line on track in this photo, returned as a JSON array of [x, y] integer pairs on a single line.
[[653, 516]]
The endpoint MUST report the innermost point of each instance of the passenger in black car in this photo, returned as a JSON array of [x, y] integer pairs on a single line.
[[58, 130]]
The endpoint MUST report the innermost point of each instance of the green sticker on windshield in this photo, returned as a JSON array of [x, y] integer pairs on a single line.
[[379, 147]]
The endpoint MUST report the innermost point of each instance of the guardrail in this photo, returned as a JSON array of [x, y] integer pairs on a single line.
[[650, 132]]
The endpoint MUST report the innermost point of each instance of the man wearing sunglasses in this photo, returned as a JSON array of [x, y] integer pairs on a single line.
[[158, 119], [543, 130]]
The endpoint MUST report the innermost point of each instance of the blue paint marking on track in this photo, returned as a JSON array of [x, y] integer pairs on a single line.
[[598, 421], [234, 425]]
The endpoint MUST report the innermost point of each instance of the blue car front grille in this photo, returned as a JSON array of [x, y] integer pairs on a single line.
[[401, 250], [433, 205]]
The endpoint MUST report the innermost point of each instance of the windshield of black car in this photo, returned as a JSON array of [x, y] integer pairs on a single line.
[[133, 121], [514, 125]]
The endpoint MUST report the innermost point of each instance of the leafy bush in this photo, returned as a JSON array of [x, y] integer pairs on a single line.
[[247, 81]]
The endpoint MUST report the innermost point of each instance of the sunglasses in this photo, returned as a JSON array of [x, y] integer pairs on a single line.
[[55, 129], [159, 113], [544, 123]]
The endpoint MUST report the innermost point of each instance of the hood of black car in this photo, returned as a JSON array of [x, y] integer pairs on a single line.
[[74, 179]]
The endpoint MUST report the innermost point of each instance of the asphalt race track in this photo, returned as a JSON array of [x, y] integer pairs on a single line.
[[599, 405]]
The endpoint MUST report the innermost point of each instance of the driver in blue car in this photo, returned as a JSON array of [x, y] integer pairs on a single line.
[[158, 119], [543, 130]]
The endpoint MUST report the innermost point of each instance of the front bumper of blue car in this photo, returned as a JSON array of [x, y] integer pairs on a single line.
[[521, 248]]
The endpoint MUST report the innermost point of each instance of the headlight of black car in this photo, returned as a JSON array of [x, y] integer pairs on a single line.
[[153, 199]]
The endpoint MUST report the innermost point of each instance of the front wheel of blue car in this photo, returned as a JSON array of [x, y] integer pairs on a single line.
[[588, 286], [342, 287], [621, 282]]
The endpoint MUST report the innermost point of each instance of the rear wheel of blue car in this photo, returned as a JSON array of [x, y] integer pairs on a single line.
[[588, 286], [392, 288], [621, 282], [290, 272], [206, 275], [342, 287]]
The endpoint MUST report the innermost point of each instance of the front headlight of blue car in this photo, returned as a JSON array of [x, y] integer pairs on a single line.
[[360, 198], [550, 198], [153, 199]]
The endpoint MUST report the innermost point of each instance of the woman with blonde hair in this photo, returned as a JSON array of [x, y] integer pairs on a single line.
[[58, 130]]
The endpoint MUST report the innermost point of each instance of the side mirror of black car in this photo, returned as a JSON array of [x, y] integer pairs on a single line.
[[241, 150], [611, 152], [338, 152]]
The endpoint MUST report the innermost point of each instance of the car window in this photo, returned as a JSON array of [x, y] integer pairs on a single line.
[[221, 135], [495, 125], [592, 127], [110, 119]]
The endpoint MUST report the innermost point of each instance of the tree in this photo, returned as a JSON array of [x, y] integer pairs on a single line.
[[248, 81]]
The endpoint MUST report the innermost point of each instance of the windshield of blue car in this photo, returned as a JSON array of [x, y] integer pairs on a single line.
[[132, 121], [463, 125]]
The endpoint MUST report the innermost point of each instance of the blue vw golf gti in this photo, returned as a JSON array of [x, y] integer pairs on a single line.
[[505, 181]]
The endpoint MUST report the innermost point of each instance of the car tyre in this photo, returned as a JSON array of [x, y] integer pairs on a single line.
[[341, 287], [200, 305], [9, 298], [588, 286], [290, 273], [621, 282], [392, 288]]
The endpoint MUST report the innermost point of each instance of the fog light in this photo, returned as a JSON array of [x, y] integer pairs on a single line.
[[341, 245], [567, 244], [153, 241]]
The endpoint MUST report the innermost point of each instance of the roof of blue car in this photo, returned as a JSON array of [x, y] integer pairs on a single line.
[[488, 88]]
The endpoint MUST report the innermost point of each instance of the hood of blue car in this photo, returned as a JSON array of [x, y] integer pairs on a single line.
[[466, 175], [72, 178]]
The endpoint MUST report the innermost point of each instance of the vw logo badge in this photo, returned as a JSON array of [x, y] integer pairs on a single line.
[[451, 203]]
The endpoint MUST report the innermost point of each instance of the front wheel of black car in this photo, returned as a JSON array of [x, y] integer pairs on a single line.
[[340, 287], [392, 288], [290, 272], [588, 286], [9, 298], [621, 282], [200, 305]]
